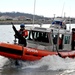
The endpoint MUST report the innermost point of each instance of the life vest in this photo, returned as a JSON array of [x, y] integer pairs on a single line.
[[23, 32]]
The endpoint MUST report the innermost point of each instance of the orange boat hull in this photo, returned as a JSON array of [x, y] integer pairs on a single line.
[[23, 53]]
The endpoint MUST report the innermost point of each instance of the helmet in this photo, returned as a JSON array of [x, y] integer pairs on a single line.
[[22, 25]]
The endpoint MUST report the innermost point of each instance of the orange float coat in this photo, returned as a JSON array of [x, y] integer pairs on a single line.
[[24, 33]]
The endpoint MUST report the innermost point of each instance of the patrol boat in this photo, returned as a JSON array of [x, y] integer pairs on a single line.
[[55, 40]]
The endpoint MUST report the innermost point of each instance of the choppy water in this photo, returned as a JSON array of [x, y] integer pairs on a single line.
[[49, 65]]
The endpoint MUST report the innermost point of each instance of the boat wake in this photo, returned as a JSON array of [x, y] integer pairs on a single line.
[[52, 63], [46, 63]]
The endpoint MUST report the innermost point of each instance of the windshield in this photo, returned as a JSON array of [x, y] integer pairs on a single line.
[[57, 22], [38, 36]]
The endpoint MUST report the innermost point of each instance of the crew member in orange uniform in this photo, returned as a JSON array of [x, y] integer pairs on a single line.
[[23, 32]]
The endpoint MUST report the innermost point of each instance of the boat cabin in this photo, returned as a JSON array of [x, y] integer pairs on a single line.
[[50, 38]]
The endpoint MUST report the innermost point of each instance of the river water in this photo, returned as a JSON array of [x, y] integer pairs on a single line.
[[49, 65]]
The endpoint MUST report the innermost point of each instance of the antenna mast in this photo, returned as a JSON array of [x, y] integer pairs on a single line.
[[62, 9], [34, 12]]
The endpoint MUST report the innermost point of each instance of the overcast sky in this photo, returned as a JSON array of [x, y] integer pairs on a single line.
[[45, 8]]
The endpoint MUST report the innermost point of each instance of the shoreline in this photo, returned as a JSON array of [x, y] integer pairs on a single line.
[[8, 22]]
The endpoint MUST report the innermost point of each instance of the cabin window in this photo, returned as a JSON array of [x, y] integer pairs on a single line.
[[38, 36], [57, 22], [66, 39]]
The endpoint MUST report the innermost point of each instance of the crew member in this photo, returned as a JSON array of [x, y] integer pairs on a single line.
[[23, 32]]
